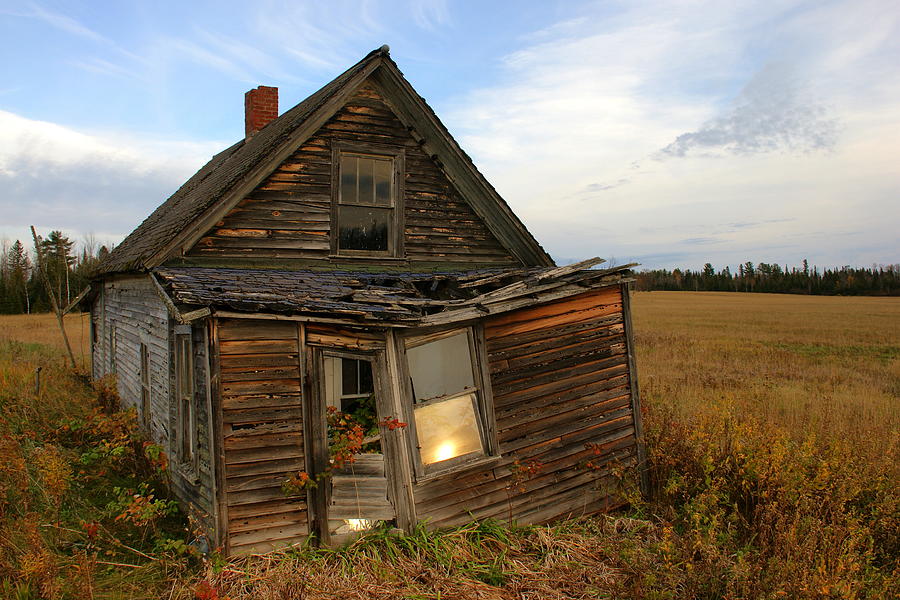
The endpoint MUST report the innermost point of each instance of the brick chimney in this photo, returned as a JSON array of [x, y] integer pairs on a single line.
[[260, 107]]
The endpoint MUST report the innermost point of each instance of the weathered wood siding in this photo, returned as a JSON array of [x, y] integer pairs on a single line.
[[132, 311], [560, 380], [262, 433], [288, 216]]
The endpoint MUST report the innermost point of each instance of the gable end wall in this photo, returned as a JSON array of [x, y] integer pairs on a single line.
[[288, 216]]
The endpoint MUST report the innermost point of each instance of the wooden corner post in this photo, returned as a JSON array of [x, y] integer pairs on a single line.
[[635, 391]]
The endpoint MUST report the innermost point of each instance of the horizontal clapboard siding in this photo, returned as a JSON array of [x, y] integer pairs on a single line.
[[559, 374], [289, 214], [262, 433]]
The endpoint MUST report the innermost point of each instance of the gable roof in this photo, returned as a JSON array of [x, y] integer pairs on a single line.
[[232, 173]]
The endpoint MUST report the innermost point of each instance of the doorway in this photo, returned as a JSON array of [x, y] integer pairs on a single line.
[[355, 495]]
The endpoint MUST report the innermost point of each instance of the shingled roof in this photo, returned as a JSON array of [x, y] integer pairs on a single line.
[[402, 298], [223, 172]]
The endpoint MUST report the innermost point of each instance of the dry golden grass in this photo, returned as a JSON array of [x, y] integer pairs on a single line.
[[42, 328], [829, 365]]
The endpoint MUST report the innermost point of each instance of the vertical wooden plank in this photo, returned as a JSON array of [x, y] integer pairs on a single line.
[[315, 432], [217, 451], [487, 394], [401, 458], [635, 392], [212, 430], [313, 519], [400, 205]]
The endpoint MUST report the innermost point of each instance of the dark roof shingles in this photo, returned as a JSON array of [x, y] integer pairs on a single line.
[[219, 175]]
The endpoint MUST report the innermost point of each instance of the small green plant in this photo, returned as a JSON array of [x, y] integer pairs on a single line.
[[347, 437]]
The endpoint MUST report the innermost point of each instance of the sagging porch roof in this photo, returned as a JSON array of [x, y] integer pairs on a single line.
[[386, 299]]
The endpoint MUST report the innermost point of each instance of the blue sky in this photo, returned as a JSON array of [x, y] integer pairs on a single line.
[[669, 133]]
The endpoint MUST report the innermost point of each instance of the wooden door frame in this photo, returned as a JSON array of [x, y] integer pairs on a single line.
[[316, 425]]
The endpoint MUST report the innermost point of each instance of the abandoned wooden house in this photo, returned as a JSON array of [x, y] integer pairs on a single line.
[[347, 258]]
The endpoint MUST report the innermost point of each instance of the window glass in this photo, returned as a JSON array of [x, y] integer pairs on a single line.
[[348, 178], [366, 201], [363, 228], [448, 429], [441, 368], [383, 174], [349, 377], [366, 181]]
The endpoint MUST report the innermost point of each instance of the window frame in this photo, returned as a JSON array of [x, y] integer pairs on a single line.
[[186, 441], [339, 354], [486, 418], [146, 386], [397, 156], [113, 368]]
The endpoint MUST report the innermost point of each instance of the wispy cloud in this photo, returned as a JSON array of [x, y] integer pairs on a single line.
[[430, 14], [59, 21], [105, 67]]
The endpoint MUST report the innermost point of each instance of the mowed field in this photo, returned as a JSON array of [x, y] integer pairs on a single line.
[[773, 437]]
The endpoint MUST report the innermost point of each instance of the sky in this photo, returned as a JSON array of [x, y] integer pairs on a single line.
[[669, 133]]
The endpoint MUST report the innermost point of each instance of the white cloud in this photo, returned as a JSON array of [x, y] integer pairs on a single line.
[[430, 14], [57, 178], [772, 113]]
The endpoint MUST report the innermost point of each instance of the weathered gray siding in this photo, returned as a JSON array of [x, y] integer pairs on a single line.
[[131, 310]]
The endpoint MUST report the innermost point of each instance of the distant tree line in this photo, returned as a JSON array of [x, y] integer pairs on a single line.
[[878, 280], [68, 269]]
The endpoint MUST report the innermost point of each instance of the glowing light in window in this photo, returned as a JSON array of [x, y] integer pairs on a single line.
[[358, 524], [445, 451]]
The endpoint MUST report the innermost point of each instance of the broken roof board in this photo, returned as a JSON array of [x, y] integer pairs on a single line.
[[408, 299]]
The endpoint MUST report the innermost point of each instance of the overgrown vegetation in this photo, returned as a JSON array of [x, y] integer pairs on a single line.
[[83, 508], [774, 449]]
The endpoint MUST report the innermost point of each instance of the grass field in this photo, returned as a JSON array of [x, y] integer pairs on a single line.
[[43, 329], [828, 365], [773, 429]]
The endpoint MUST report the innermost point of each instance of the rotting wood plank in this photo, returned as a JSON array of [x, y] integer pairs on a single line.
[[257, 347], [255, 523]]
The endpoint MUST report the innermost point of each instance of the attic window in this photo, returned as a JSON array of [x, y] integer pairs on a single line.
[[366, 209]]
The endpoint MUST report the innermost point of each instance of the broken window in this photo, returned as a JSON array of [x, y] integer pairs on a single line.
[[366, 212], [348, 384], [448, 400]]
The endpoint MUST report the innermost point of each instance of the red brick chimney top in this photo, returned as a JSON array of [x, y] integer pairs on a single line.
[[260, 107]]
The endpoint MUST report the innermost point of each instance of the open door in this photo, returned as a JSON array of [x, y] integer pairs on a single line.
[[356, 495]]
